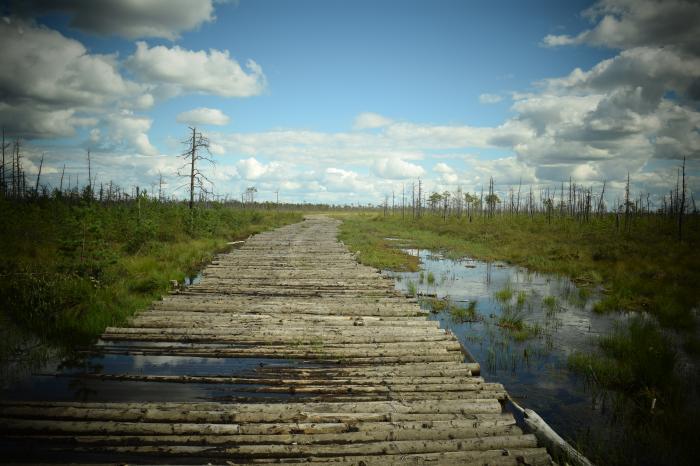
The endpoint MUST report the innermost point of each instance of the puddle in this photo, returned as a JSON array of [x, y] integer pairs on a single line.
[[36, 370], [88, 379], [193, 279], [520, 326]]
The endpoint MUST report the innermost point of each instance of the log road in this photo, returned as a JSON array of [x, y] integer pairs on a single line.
[[342, 370]]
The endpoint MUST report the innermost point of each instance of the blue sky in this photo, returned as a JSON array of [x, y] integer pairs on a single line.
[[347, 101]]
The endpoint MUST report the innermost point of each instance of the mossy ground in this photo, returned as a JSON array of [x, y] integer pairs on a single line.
[[70, 269]]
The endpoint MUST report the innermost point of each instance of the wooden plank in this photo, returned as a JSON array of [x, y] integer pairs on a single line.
[[363, 377]]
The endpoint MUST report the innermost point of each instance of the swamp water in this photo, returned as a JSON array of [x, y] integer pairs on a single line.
[[521, 327]]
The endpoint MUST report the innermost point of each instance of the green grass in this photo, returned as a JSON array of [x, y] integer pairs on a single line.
[[551, 304], [411, 288], [464, 314], [435, 304], [505, 294], [431, 278], [367, 239], [71, 269], [513, 321], [645, 270], [640, 362]]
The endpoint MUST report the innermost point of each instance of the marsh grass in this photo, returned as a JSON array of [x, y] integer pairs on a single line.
[[643, 270], [551, 304], [641, 363], [430, 278], [467, 313], [71, 269], [505, 294], [411, 288]]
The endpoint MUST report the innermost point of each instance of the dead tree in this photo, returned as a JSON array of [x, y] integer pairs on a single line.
[[681, 209], [3, 169], [38, 176], [160, 186], [197, 150]]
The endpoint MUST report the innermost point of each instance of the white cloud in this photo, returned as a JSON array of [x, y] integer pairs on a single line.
[[216, 149], [129, 129], [490, 98], [180, 70], [251, 169], [626, 24], [447, 173], [129, 19], [397, 169], [339, 180], [61, 87], [203, 116], [369, 120]]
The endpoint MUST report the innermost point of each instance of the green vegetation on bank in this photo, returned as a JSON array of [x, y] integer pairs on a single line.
[[646, 269], [71, 268], [645, 372]]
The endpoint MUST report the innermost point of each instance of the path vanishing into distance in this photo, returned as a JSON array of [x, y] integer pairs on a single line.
[[289, 351]]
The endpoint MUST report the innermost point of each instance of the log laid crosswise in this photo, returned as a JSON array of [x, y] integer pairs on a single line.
[[323, 363]]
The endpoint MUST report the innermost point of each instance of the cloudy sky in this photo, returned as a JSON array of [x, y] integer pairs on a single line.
[[347, 101]]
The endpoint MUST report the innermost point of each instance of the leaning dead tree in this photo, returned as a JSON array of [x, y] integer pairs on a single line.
[[197, 149]]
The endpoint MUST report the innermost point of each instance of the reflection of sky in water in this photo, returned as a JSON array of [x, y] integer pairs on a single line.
[[70, 386], [534, 371]]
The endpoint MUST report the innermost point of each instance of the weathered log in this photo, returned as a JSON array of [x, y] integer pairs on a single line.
[[276, 450], [557, 446]]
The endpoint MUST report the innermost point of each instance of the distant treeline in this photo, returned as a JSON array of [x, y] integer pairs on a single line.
[[16, 185], [569, 200]]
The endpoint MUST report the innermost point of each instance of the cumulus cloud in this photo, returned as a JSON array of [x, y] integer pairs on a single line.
[[340, 180], [628, 110], [181, 70], [369, 120], [128, 129], [203, 116], [54, 91], [490, 98], [397, 169], [447, 173], [627, 24], [251, 169], [130, 19]]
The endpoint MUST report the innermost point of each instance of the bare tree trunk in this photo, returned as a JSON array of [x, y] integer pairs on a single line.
[[627, 202], [89, 175], [38, 176], [681, 209], [63, 172], [3, 184], [194, 146]]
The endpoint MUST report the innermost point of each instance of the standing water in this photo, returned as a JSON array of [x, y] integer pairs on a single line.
[[521, 327]]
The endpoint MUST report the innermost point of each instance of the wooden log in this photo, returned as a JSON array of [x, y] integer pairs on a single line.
[[391, 383], [141, 434], [501, 457], [417, 407], [558, 447], [246, 419], [305, 356], [276, 450]]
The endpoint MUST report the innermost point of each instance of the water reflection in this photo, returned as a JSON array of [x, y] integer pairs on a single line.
[[519, 325]]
